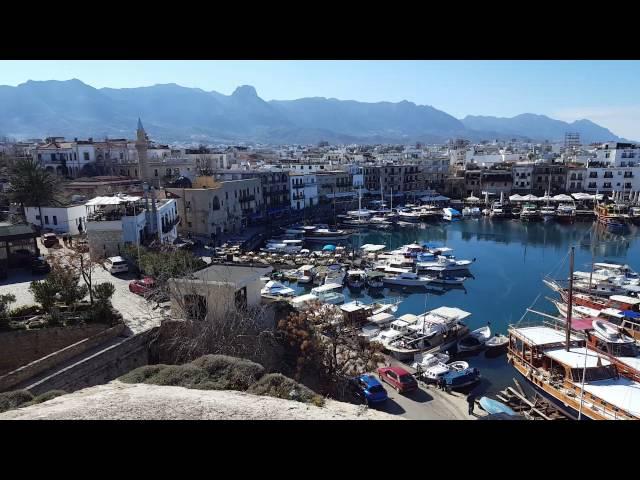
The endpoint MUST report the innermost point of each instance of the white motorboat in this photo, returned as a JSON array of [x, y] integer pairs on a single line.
[[329, 293], [441, 263], [548, 213], [398, 276], [565, 213], [530, 213], [411, 216], [496, 345], [306, 274], [475, 340], [450, 214], [356, 278], [335, 274], [471, 212], [277, 289], [303, 302]]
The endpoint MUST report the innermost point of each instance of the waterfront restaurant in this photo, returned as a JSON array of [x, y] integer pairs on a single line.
[[17, 246]]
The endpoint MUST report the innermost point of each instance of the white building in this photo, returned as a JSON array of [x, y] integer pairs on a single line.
[[616, 168], [303, 190], [70, 219], [522, 176]]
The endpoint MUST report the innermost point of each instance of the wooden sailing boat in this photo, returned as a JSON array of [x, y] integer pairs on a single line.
[[579, 381]]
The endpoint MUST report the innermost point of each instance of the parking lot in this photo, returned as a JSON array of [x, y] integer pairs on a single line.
[[139, 315]]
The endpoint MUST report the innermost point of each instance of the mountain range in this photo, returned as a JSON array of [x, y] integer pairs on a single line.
[[171, 112]]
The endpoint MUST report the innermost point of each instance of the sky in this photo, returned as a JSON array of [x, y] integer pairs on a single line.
[[605, 92]]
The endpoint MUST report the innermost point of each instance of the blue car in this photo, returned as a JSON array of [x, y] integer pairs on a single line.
[[368, 389]]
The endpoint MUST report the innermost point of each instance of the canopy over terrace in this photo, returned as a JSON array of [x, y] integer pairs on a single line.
[[113, 207]]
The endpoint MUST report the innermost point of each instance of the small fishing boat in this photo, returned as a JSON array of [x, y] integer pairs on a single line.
[[496, 345], [475, 340], [329, 293], [396, 276], [492, 406], [457, 379], [450, 214]]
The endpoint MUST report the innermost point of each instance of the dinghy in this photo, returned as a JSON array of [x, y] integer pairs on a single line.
[[475, 340], [496, 344], [492, 406]]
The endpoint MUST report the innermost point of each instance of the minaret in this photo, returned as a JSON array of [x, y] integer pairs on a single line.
[[142, 142]]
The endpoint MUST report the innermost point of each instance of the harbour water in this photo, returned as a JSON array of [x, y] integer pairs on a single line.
[[512, 258]]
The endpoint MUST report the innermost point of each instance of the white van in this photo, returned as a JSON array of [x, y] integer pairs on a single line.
[[115, 265]]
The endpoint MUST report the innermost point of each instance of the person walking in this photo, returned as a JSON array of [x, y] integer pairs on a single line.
[[471, 400]]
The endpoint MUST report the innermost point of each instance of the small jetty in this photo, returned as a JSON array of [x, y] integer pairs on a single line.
[[531, 408]]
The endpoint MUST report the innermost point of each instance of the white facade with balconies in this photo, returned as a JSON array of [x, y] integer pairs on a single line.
[[303, 188], [615, 168]]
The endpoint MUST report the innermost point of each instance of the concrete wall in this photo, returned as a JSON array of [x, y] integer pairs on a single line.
[[107, 365], [21, 347], [104, 243], [24, 373]]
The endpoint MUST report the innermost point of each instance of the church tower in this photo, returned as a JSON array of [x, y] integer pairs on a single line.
[[142, 143]]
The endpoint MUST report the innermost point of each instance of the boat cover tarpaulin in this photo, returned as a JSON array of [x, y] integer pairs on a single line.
[[630, 314]]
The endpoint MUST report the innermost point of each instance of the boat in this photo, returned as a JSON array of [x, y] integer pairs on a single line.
[[435, 331], [444, 278], [498, 211], [317, 234], [458, 379], [450, 214], [612, 215], [276, 289], [475, 340], [492, 407], [565, 213], [411, 216], [306, 274], [426, 262], [559, 365], [328, 293], [496, 345], [356, 278], [401, 277], [530, 213], [335, 274], [548, 213], [303, 302], [373, 279], [471, 212]]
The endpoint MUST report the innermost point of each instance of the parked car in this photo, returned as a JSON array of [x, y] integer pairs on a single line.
[[368, 389], [115, 265], [398, 378], [49, 240], [40, 265], [142, 287]]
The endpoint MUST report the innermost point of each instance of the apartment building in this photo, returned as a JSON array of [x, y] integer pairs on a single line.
[[274, 185], [522, 173], [303, 188], [335, 184], [211, 208], [615, 168], [549, 177]]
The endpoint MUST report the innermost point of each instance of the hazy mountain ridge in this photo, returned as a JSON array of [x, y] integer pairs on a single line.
[[172, 112]]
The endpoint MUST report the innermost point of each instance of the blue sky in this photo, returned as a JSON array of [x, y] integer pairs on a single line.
[[605, 92]]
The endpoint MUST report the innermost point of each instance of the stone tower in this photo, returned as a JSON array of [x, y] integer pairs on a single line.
[[142, 143]]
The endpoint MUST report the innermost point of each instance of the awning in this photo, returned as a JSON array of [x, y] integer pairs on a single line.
[[562, 198], [516, 198], [114, 200]]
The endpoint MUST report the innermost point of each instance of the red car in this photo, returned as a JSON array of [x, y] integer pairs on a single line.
[[142, 287], [398, 378]]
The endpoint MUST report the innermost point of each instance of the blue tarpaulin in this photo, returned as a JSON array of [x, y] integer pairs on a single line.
[[328, 248], [631, 314]]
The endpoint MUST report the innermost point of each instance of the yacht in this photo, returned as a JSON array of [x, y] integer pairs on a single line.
[[374, 279], [356, 278], [498, 210], [325, 234], [408, 215], [471, 212], [276, 289], [530, 213], [329, 293], [435, 331], [565, 213], [450, 214], [428, 262], [548, 213], [401, 277]]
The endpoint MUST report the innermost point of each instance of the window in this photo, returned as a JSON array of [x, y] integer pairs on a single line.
[[606, 185], [593, 174], [573, 185], [46, 219], [55, 220], [155, 172], [86, 156]]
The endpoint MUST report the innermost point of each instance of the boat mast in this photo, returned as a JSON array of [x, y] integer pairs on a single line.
[[570, 300]]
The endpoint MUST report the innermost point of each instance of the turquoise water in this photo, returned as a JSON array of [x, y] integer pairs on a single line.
[[511, 260]]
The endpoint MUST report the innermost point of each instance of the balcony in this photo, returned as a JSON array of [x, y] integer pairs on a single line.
[[628, 175], [168, 226], [247, 198]]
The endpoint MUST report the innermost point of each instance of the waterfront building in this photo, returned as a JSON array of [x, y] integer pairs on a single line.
[[211, 208], [549, 173], [615, 168], [522, 177], [303, 189]]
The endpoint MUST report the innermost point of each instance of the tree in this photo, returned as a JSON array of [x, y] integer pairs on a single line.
[[322, 344], [44, 292], [5, 301], [80, 260], [33, 186]]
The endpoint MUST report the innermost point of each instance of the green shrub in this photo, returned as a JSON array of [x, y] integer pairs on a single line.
[[279, 386], [46, 396], [229, 373], [141, 374], [25, 311], [15, 399], [188, 376]]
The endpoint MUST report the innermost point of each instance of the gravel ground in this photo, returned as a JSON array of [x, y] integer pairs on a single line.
[[120, 401]]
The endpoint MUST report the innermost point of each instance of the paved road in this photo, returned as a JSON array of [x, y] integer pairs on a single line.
[[139, 315]]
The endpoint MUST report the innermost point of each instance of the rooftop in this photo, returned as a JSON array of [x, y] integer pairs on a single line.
[[227, 273]]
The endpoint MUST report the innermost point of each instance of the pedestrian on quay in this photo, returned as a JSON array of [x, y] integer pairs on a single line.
[[70, 241], [471, 400]]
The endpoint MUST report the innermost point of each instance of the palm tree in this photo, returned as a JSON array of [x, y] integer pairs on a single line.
[[32, 186]]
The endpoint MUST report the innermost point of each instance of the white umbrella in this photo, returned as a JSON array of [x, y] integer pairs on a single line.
[[516, 198], [472, 199], [530, 198], [562, 198]]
